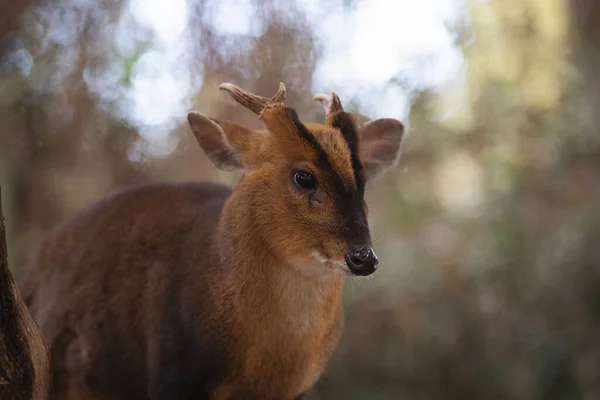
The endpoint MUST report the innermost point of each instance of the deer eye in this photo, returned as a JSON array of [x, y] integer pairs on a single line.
[[305, 180]]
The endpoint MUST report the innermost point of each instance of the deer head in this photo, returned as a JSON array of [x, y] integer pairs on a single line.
[[305, 182]]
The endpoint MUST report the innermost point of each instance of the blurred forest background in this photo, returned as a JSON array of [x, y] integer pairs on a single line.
[[488, 230]]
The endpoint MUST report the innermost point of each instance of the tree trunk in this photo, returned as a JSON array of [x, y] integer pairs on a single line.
[[24, 356]]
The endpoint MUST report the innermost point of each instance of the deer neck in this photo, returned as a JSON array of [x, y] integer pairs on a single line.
[[285, 322], [260, 283]]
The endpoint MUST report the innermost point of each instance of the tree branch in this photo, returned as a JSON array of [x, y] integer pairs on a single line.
[[24, 356]]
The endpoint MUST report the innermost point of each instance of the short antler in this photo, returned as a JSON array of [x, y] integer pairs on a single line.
[[331, 103], [252, 102]]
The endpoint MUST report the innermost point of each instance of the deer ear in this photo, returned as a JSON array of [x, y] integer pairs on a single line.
[[216, 139], [380, 145]]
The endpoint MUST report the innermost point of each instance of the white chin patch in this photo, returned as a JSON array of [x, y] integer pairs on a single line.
[[341, 265], [337, 264], [317, 255]]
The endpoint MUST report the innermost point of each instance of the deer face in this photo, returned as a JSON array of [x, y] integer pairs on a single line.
[[306, 182]]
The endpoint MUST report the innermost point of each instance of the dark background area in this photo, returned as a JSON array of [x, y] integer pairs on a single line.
[[487, 230]]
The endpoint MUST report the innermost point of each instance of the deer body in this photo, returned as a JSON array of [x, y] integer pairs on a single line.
[[200, 291]]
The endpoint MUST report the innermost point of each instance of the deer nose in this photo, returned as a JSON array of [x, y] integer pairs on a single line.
[[362, 262]]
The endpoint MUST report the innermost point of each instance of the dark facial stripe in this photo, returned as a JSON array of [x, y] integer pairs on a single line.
[[351, 222], [322, 158], [355, 227], [345, 124]]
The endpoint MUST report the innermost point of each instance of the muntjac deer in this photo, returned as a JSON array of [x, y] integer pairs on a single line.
[[200, 291]]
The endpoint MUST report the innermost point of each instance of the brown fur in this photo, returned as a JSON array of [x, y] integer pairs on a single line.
[[194, 290]]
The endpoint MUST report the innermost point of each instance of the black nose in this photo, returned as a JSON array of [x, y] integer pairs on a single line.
[[362, 262]]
